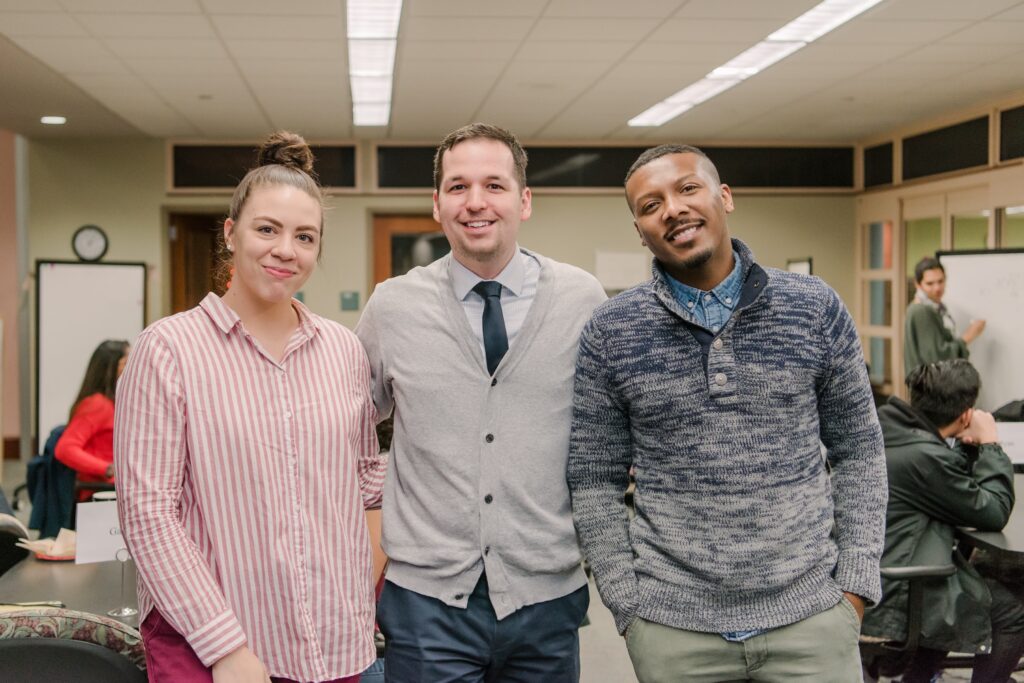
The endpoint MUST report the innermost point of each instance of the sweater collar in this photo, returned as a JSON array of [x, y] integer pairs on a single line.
[[754, 280]]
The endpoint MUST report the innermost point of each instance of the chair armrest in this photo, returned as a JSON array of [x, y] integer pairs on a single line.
[[915, 572]]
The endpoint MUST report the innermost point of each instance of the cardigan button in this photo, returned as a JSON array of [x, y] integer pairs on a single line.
[[494, 380], [488, 498], [489, 438], [720, 379]]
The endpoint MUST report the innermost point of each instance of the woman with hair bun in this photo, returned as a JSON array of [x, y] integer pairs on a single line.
[[245, 455]]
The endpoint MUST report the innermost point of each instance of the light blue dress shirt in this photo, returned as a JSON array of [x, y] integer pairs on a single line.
[[711, 309]]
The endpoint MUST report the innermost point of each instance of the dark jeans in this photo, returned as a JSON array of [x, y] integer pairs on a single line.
[[426, 640], [1007, 615]]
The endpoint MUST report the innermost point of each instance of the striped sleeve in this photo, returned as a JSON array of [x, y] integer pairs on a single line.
[[150, 456]]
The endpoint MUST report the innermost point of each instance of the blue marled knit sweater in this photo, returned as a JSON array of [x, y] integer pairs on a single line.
[[738, 524]]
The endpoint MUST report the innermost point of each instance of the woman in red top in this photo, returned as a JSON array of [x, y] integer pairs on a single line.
[[87, 445]]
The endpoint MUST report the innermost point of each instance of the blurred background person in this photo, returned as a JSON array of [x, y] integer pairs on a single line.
[[930, 330], [87, 445]]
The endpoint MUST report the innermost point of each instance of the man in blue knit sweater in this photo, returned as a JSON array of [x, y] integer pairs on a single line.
[[749, 557]]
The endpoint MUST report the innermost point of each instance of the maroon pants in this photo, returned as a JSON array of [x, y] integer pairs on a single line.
[[170, 659]]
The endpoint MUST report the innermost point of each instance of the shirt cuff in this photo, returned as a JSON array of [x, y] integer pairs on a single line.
[[217, 638]]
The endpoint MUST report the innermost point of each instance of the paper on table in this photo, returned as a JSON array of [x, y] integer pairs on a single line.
[[1011, 438], [99, 533], [61, 547]]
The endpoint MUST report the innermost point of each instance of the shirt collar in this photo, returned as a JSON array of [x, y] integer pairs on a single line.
[[922, 298], [225, 318], [512, 277], [727, 292]]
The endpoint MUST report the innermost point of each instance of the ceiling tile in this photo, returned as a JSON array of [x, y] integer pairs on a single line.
[[684, 32], [137, 6], [288, 50], [72, 54], [1002, 32], [30, 6], [604, 51], [443, 28], [449, 50], [709, 55], [940, 9], [233, 27], [867, 32], [189, 26], [40, 25], [166, 48], [780, 10], [463, 9], [573, 30], [635, 9], [294, 7]]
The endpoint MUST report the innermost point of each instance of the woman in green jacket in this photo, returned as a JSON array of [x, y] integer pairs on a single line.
[[930, 333], [935, 487]]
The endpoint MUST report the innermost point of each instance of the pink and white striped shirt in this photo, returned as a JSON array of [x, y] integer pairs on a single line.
[[241, 488]]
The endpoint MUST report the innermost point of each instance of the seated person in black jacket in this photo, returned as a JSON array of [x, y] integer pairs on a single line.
[[946, 469]]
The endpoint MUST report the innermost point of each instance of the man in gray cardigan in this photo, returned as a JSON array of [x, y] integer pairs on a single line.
[[475, 354], [746, 558]]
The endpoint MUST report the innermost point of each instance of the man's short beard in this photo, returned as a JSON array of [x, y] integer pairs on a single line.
[[697, 260]]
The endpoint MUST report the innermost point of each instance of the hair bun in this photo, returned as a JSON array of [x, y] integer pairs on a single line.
[[287, 149]]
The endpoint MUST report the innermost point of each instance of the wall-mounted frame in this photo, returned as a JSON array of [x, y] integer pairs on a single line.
[[803, 266]]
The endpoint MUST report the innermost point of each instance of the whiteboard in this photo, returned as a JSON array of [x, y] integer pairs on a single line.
[[989, 285], [79, 305]]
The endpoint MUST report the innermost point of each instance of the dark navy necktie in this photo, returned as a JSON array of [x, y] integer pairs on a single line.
[[495, 339]]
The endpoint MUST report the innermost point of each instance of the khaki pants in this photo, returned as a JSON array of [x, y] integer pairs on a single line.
[[821, 648]]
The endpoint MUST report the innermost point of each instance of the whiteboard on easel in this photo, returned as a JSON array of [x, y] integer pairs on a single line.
[[79, 305], [989, 285]]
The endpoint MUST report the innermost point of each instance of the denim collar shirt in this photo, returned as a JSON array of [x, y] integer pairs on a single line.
[[711, 310]]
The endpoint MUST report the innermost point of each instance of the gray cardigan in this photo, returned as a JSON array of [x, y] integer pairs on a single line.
[[477, 472], [738, 523]]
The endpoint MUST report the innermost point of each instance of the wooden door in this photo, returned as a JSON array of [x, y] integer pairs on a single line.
[[195, 268], [401, 242]]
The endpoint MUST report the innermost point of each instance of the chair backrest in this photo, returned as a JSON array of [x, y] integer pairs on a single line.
[[51, 486], [44, 660], [11, 531]]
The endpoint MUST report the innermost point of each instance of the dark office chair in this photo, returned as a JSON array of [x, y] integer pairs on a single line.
[[884, 657], [889, 657], [11, 531], [44, 660], [53, 644]]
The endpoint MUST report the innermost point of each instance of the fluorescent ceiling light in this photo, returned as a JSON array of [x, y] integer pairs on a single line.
[[822, 18], [371, 57], [371, 114], [372, 40], [795, 35], [378, 19], [1014, 210], [756, 59], [53, 120]]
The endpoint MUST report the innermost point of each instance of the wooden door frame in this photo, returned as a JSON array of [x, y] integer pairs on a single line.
[[385, 227]]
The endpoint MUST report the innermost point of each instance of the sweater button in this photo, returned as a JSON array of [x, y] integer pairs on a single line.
[[720, 379], [459, 596], [494, 381], [488, 498], [717, 344], [489, 438]]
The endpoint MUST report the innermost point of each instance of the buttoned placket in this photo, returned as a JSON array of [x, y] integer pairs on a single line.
[[298, 530]]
